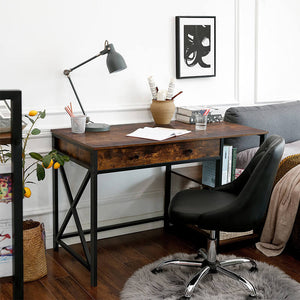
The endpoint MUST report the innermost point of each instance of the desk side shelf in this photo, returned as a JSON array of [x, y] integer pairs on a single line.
[[193, 173]]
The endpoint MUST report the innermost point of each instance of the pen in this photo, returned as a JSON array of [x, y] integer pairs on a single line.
[[176, 95]]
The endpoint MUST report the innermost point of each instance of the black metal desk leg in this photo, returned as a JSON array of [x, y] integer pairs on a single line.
[[262, 138], [167, 195], [55, 207], [17, 186], [94, 221]]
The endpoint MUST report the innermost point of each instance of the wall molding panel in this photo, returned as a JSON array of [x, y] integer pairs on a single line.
[[276, 51]]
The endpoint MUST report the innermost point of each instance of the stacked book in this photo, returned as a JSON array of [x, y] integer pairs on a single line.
[[228, 168], [186, 114]]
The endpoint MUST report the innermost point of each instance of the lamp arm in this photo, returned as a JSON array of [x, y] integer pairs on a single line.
[[68, 71], [104, 51], [76, 95]]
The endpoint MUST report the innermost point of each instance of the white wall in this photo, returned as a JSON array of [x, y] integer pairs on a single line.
[[278, 48], [257, 58]]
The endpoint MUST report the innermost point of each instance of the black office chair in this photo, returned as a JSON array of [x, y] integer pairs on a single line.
[[237, 206]]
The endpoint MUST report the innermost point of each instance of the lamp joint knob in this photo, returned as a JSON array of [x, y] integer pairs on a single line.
[[67, 72]]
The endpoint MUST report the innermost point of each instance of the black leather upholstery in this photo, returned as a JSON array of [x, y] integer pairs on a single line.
[[237, 206]]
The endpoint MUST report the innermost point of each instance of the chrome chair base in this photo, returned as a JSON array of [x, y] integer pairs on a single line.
[[210, 264]]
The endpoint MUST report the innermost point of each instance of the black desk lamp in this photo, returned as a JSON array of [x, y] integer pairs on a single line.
[[115, 63]]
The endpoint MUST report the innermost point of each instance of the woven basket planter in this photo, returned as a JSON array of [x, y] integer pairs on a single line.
[[35, 266]]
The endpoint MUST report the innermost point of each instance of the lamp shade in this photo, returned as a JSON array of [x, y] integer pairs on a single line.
[[114, 61]]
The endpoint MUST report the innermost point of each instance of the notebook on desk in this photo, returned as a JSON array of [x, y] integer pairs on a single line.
[[157, 133]]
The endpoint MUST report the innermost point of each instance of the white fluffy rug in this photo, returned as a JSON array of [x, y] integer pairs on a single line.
[[270, 283]]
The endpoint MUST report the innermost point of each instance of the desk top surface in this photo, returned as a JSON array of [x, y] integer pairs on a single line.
[[116, 137], [5, 138]]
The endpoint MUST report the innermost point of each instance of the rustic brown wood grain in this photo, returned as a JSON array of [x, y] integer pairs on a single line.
[[116, 150], [154, 154], [5, 138]]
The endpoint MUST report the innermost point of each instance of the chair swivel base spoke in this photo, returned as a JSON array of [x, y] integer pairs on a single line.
[[236, 261], [241, 279], [210, 264], [210, 267], [194, 282], [182, 263]]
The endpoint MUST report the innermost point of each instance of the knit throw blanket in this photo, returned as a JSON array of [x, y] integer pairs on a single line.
[[283, 207]]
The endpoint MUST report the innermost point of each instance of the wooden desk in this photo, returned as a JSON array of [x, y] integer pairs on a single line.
[[113, 151]]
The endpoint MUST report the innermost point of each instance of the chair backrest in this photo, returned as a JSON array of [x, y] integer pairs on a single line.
[[254, 186]]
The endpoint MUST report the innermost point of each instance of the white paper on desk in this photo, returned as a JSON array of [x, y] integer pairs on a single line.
[[157, 133]]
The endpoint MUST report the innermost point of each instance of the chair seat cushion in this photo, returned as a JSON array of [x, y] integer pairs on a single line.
[[201, 207]]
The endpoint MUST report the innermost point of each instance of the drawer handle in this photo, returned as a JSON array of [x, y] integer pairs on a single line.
[[188, 151], [134, 157]]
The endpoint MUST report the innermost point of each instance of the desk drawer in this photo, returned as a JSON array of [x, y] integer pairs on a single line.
[[155, 154]]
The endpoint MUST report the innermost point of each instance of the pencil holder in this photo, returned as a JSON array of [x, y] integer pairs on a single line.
[[162, 111]]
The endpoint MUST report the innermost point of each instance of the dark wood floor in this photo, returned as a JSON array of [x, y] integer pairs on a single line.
[[118, 258]]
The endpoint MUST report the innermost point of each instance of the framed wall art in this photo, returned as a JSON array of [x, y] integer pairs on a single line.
[[195, 47]]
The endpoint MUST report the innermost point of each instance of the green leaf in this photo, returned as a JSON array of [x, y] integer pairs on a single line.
[[59, 159], [31, 120], [35, 131], [46, 160], [36, 156], [43, 114], [66, 158], [40, 172]]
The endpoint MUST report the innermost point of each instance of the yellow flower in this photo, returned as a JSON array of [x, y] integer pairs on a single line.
[[27, 192], [32, 113], [56, 165], [50, 164]]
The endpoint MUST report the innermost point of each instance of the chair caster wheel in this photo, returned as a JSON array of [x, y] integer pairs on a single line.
[[253, 269], [184, 298], [156, 270], [249, 297]]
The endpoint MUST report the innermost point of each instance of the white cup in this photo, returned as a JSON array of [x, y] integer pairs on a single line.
[[78, 124]]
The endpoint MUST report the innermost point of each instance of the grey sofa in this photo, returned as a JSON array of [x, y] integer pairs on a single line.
[[282, 119]]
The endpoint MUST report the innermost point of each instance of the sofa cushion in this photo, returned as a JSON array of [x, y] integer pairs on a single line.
[[244, 157], [282, 119]]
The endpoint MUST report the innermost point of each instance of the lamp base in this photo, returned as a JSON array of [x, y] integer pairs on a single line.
[[97, 127]]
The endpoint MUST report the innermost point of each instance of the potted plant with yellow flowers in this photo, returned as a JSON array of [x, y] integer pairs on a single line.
[[52, 159], [35, 266]]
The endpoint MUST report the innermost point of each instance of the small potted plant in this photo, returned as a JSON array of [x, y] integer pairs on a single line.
[[35, 265]]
